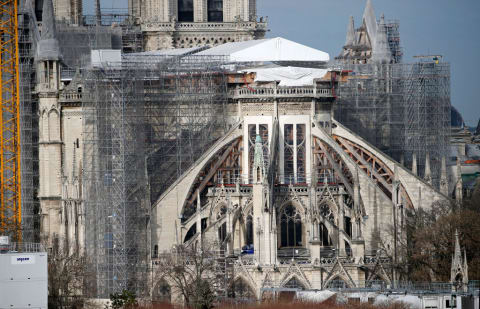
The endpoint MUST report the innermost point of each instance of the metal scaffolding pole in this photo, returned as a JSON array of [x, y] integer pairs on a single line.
[[146, 121]]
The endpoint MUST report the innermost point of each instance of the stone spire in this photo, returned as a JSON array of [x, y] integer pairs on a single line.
[[370, 21], [459, 270], [459, 183], [381, 49], [350, 33], [258, 162], [428, 170], [48, 47], [443, 177]]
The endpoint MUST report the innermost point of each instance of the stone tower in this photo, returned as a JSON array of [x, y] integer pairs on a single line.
[[190, 23], [48, 59], [69, 11]]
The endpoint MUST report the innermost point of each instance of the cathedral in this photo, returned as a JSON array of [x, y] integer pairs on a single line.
[[296, 199]]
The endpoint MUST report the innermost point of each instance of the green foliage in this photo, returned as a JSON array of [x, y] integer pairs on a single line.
[[126, 299]]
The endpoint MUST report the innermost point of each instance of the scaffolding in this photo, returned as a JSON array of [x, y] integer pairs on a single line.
[[114, 31], [28, 38], [402, 109], [146, 121], [393, 36]]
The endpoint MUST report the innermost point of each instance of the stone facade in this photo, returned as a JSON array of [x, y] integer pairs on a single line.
[[60, 153], [293, 197], [189, 23], [69, 11], [60, 142]]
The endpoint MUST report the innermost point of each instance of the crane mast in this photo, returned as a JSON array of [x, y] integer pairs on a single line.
[[10, 176]]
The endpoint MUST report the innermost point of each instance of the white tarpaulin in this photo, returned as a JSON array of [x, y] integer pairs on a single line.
[[287, 76], [314, 296], [268, 50], [412, 301]]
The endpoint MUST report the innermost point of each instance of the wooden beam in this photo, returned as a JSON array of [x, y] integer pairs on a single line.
[[212, 172]]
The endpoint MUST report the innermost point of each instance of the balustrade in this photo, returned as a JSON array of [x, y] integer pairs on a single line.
[[263, 92]]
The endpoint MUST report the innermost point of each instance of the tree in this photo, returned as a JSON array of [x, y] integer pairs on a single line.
[[431, 239], [192, 272], [126, 299], [67, 272]]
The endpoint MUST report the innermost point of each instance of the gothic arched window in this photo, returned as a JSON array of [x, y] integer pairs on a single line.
[[294, 283], [249, 231], [185, 11], [348, 225], [323, 235], [162, 292], [215, 11], [222, 232], [291, 227]]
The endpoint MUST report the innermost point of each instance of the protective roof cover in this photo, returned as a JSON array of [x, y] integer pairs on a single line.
[[287, 76], [268, 50]]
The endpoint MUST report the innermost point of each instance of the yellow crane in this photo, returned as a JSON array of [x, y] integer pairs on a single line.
[[10, 199]]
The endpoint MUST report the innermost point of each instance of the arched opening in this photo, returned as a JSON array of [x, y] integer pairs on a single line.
[[348, 226], [241, 291], [191, 232], [185, 10], [53, 126], [162, 293], [222, 232], [377, 283], [291, 227], [215, 11], [458, 282], [258, 174], [249, 231], [337, 283], [348, 249], [324, 236], [155, 251], [294, 283]]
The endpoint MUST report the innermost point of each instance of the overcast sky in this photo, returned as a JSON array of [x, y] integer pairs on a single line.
[[447, 27]]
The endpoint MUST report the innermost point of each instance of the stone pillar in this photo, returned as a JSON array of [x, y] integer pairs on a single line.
[[414, 164], [443, 177], [200, 13], [258, 228], [341, 224], [459, 184]]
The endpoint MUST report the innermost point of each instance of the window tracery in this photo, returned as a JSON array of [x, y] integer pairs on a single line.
[[294, 283], [291, 227], [327, 213], [252, 135]]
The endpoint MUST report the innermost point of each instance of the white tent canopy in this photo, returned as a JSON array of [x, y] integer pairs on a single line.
[[268, 50]]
